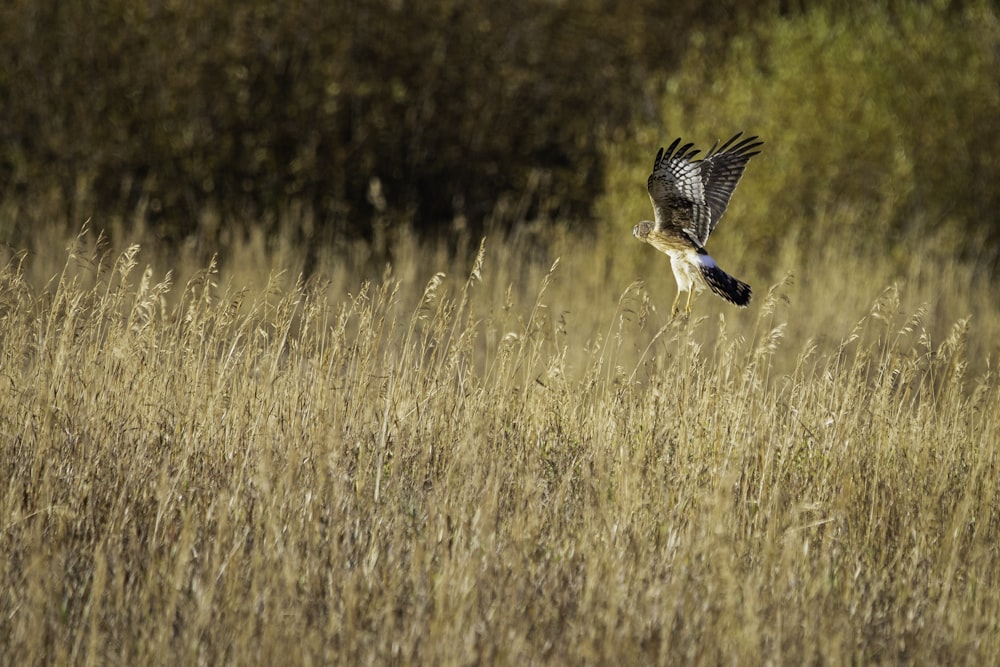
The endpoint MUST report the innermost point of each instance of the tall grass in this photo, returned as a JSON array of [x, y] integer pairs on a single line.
[[498, 459]]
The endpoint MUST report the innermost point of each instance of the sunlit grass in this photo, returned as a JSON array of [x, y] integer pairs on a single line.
[[508, 457]]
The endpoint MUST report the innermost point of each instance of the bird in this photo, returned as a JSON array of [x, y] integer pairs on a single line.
[[689, 197]]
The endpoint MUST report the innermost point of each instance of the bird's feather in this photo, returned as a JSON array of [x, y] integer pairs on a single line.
[[692, 195]]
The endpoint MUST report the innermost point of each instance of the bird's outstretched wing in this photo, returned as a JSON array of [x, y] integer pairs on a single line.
[[692, 195]]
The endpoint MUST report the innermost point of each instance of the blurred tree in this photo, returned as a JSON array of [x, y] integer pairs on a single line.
[[462, 111]]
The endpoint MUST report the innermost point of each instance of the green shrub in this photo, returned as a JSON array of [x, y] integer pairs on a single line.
[[878, 125]]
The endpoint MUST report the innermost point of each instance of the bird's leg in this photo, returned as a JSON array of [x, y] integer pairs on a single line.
[[673, 307], [687, 309]]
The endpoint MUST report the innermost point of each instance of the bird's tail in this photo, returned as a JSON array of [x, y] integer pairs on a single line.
[[732, 290]]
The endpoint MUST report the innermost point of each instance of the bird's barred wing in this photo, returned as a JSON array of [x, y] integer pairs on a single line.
[[692, 196], [721, 171], [676, 189]]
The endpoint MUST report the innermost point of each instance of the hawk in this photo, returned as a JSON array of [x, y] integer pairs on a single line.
[[689, 197]]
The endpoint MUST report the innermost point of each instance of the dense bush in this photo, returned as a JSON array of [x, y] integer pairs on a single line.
[[453, 109], [879, 125]]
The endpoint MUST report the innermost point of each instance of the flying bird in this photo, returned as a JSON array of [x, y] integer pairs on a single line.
[[689, 197]]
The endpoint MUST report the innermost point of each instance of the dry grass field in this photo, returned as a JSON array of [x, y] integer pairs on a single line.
[[504, 458]]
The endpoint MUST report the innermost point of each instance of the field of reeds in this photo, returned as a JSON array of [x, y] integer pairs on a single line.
[[501, 455]]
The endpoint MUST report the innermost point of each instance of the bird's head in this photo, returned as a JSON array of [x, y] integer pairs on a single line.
[[642, 230]]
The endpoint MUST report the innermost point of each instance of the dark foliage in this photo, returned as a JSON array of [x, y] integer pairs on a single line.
[[453, 109]]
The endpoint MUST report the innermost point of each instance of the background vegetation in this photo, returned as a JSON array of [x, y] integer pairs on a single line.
[[249, 106], [880, 126], [279, 401], [204, 120]]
